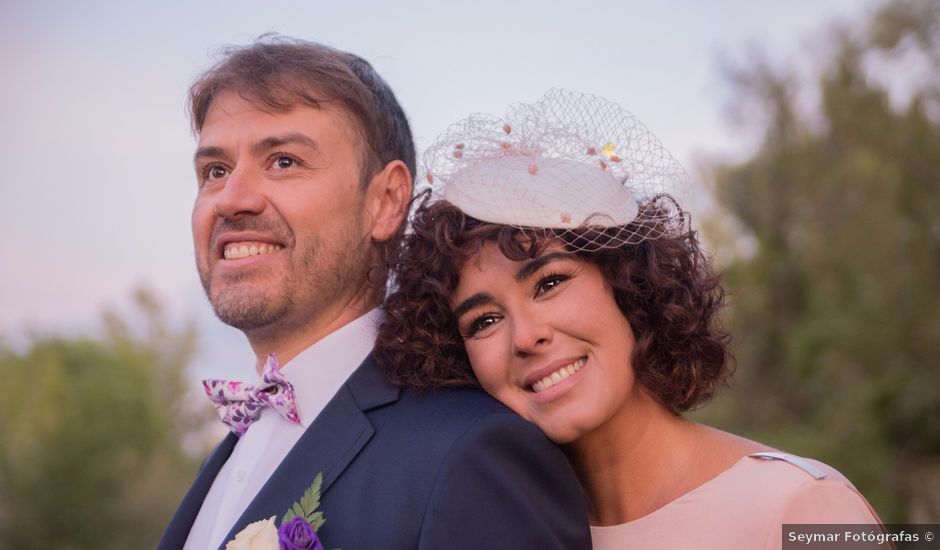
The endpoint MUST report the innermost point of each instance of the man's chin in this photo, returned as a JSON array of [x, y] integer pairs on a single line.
[[246, 311]]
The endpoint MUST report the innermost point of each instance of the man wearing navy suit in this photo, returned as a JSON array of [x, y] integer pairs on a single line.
[[304, 165]]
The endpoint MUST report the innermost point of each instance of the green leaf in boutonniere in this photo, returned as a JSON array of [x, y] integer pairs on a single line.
[[307, 506], [298, 528]]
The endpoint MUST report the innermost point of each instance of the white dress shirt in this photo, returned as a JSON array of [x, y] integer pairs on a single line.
[[317, 373]]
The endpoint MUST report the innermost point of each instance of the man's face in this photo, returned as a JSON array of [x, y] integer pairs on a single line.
[[278, 226]]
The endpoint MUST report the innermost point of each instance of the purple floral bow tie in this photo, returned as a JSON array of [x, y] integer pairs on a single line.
[[239, 404]]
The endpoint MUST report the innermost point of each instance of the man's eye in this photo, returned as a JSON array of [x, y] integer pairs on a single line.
[[282, 163], [215, 172]]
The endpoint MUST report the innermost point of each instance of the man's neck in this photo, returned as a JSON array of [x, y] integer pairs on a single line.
[[289, 341]]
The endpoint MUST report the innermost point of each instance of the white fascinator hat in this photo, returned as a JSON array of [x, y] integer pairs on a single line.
[[566, 163]]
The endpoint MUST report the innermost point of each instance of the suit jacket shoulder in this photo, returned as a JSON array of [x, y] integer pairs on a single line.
[[454, 468], [505, 474], [451, 468]]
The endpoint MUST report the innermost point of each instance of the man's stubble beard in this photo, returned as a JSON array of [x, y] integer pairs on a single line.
[[323, 273]]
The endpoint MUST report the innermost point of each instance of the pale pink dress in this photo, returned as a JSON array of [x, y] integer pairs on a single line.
[[745, 507]]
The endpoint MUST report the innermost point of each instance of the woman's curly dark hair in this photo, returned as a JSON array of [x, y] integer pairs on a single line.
[[664, 286]]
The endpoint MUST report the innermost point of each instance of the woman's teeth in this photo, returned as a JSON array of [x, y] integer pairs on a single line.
[[558, 376], [244, 250]]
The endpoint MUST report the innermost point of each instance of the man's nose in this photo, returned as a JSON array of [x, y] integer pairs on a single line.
[[243, 195], [530, 334]]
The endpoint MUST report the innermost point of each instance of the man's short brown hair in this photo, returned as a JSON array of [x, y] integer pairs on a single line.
[[280, 73]]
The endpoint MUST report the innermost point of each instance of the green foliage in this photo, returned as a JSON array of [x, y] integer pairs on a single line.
[[307, 506], [837, 313], [90, 454]]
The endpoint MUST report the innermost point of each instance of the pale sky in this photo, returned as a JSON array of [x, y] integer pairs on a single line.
[[96, 149]]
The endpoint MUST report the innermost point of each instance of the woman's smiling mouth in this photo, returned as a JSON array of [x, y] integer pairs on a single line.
[[557, 376]]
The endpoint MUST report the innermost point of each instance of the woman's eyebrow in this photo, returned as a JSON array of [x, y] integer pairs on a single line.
[[477, 299], [532, 266]]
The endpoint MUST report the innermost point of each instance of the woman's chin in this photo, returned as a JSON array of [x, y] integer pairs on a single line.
[[560, 433]]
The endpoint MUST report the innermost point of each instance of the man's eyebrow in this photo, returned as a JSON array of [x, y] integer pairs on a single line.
[[211, 152], [477, 299], [261, 146], [532, 266], [294, 138]]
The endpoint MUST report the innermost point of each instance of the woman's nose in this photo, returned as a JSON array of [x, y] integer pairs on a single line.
[[530, 334]]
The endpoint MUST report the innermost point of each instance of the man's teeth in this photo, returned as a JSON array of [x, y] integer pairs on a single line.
[[558, 376], [244, 250]]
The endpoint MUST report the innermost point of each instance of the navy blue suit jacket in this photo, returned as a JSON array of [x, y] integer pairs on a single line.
[[447, 469]]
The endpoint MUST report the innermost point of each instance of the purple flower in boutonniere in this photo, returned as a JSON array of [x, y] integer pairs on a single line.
[[298, 534], [298, 530]]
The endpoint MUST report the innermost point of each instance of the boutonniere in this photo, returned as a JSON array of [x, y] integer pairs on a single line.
[[298, 530]]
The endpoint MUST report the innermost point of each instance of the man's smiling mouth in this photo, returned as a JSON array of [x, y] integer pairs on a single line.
[[245, 249]]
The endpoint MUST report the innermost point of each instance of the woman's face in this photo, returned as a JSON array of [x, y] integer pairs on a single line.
[[545, 337]]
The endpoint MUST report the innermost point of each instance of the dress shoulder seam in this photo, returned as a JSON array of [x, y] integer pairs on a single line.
[[795, 461]]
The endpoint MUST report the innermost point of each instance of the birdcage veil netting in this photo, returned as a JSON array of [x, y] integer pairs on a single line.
[[574, 165]]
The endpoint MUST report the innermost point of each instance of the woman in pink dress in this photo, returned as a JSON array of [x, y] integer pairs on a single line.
[[551, 264]]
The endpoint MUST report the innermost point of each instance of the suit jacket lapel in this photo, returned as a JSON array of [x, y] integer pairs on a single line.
[[331, 442], [178, 530]]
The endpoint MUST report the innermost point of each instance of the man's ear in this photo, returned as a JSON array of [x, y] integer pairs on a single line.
[[387, 200]]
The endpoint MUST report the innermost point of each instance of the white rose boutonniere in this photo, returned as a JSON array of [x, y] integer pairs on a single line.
[[260, 535]]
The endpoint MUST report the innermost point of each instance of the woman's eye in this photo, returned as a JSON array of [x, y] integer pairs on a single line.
[[283, 163], [549, 283], [481, 323]]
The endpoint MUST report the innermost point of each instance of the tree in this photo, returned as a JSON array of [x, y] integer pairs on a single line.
[[837, 313], [90, 455]]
